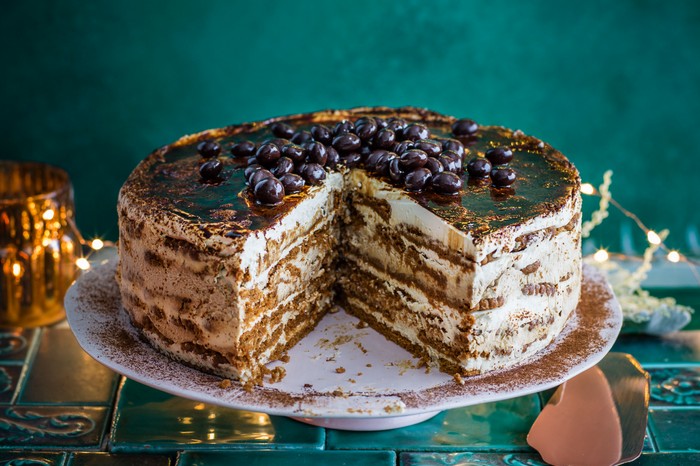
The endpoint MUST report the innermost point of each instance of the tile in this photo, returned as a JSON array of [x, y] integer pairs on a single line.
[[471, 459], [675, 387], [63, 373], [27, 458], [111, 459], [149, 418], [679, 349], [9, 378], [38, 427], [667, 459], [491, 426], [291, 458], [648, 442], [15, 343], [675, 429]]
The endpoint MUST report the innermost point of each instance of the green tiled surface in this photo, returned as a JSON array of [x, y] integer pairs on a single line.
[[295, 458], [118, 459], [63, 373], [502, 425], [59, 407], [148, 418], [30, 458]]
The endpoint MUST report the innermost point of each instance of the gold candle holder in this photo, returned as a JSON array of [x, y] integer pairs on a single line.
[[38, 243]]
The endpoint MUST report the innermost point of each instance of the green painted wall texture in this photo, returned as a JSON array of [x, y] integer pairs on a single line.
[[94, 86]]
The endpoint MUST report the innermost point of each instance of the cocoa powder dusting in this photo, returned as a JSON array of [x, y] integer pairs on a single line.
[[590, 330]]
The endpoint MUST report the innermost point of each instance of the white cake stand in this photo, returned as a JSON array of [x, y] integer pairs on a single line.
[[341, 376]]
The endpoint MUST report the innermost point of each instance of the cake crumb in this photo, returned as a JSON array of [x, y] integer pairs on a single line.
[[308, 386], [226, 383], [361, 347], [284, 357], [340, 370], [359, 374], [277, 374], [458, 378], [352, 380], [362, 324], [334, 310], [391, 409], [368, 365]]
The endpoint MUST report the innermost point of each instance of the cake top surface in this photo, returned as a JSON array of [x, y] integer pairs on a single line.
[[170, 181]]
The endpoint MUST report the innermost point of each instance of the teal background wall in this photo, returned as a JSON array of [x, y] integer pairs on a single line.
[[94, 86]]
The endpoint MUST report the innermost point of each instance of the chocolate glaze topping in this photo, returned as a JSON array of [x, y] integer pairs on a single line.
[[167, 182]]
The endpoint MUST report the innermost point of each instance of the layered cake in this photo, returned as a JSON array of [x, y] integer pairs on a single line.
[[459, 242]]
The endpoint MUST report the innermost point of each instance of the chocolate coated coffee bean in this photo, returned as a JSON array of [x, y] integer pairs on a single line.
[[396, 174], [294, 152], [284, 165], [243, 149], [433, 165], [365, 128], [464, 127], [396, 124], [416, 131], [351, 160], [210, 169], [429, 146], [453, 145], [403, 146], [279, 142], [347, 142], [250, 169], [479, 167], [373, 158], [269, 191], [209, 149], [282, 130], [300, 137], [499, 155], [447, 183], [412, 159], [292, 183], [316, 152], [259, 175], [332, 157], [385, 139], [455, 158], [268, 154], [451, 164], [343, 127], [417, 179], [313, 173], [322, 134], [502, 176], [382, 166]]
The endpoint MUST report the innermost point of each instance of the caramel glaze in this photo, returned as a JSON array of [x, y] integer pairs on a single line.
[[168, 182]]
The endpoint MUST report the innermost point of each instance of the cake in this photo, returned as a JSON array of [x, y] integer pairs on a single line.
[[458, 242]]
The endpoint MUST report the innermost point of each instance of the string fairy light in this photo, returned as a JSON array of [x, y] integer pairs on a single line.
[[601, 255], [655, 240]]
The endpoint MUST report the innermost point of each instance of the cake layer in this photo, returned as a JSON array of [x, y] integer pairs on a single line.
[[229, 310], [466, 272], [465, 343]]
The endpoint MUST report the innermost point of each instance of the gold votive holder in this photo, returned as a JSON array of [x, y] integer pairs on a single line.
[[38, 243]]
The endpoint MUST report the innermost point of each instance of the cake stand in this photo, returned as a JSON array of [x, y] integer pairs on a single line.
[[341, 375]]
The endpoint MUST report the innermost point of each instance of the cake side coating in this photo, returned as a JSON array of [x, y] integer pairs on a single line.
[[225, 284]]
